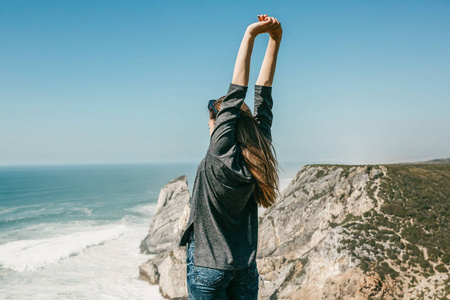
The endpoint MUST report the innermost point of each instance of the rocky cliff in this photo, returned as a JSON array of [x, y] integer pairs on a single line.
[[168, 267], [339, 232]]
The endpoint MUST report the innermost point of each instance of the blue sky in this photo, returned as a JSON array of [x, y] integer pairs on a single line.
[[128, 81]]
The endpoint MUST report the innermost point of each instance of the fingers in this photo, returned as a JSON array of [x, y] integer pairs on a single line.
[[275, 23], [262, 18], [269, 23], [269, 20]]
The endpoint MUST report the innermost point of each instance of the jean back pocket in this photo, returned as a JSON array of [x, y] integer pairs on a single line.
[[208, 276]]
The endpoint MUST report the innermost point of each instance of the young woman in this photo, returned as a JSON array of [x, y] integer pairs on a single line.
[[238, 174]]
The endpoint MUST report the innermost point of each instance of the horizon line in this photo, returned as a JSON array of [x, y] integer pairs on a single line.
[[315, 162]]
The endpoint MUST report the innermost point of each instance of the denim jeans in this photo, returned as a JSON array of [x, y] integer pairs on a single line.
[[207, 283]]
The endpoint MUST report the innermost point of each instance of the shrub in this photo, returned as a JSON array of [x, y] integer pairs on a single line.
[[394, 209], [441, 268], [365, 264], [433, 254], [446, 258], [424, 264]]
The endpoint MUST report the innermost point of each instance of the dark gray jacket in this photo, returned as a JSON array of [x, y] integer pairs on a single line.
[[224, 215]]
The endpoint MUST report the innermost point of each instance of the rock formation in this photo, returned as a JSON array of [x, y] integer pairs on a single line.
[[336, 232], [344, 232], [168, 267]]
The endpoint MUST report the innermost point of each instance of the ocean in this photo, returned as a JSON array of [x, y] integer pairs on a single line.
[[73, 231]]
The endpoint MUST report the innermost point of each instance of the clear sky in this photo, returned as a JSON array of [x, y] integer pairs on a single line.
[[128, 81]]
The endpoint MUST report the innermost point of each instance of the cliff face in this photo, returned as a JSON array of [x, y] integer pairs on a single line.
[[299, 239], [172, 213], [345, 232], [359, 232], [168, 267]]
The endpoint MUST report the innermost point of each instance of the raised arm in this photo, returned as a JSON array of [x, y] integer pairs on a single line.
[[267, 71], [263, 87], [241, 71]]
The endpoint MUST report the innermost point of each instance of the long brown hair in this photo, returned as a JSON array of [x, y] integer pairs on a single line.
[[259, 155]]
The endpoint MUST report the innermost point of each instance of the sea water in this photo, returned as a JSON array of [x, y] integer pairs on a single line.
[[74, 231]]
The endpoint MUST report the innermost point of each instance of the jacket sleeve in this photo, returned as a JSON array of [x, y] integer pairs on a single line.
[[223, 138], [263, 109]]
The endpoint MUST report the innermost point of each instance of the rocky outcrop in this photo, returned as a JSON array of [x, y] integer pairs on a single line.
[[172, 213], [168, 267], [336, 232], [299, 234], [351, 232]]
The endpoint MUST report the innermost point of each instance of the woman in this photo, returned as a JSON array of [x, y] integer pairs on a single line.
[[238, 173]]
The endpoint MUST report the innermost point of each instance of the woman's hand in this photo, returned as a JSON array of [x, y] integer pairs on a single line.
[[265, 24], [275, 33]]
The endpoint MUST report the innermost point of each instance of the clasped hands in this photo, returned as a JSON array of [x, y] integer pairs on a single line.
[[266, 24]]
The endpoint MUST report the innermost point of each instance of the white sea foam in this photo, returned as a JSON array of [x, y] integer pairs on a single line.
[[139, 214], [76, 243], [87, 211], [24, 255], [42, 213], [107, 271], [144, 209], [6, 210]]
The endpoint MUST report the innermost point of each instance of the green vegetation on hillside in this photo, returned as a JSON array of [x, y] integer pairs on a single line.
[[417, 196], [410, 232]]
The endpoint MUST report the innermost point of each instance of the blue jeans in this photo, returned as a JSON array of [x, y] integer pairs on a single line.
[[207, 283]]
